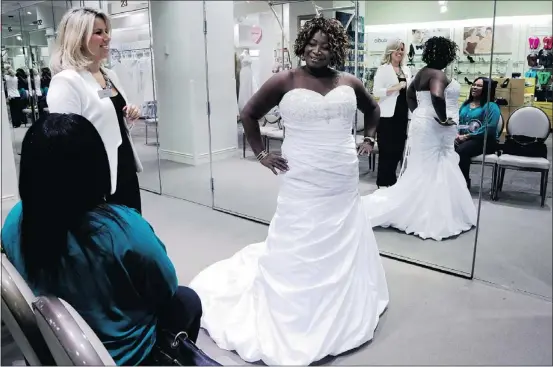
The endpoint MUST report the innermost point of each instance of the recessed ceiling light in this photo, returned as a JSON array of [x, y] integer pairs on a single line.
[[29, 13]]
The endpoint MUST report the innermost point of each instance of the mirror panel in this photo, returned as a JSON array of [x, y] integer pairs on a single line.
[[255, 53], [183, 127], [424, 211], [131, 57], [13, 58], [515, 232]]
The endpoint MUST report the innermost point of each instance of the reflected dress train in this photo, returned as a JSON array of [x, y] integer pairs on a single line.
[[316, 286], [430, 199]]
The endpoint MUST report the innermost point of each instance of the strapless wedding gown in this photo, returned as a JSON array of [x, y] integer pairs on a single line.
[[430, 198], [316, 286]]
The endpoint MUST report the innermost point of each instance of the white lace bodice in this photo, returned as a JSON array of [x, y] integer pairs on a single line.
[[451, 94], [308, 114], [318, 144]]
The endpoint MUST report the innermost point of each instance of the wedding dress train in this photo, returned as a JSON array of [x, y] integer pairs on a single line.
[[316, 286], [430, 198]]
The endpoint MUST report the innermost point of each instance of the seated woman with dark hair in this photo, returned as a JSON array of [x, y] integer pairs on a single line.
[[103, 259], [476, 116]]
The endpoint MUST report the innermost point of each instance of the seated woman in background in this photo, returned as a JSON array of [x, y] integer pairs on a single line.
[[103, 259], [476, 115]]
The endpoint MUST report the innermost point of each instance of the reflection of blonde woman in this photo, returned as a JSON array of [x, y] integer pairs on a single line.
[[390, 84], [471, 42], [81, 85]]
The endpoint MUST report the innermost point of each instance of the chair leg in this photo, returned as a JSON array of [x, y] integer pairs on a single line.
[[243, 145], [499, 176], [501, 179], [494, 181], [374, 161], [146, 128], [267, 144], [543, 186]]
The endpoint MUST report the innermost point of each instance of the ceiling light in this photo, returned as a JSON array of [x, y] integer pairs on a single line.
[[442, 2], [29, 13], [443, 9], [18, 38]]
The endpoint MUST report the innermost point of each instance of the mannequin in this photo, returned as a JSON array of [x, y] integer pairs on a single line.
[[13, 96], [247, 83]]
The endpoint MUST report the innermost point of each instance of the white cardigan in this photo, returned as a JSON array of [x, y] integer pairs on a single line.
[[384, 78], [76, 92]]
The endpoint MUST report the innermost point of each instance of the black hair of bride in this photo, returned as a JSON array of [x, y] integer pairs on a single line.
[[337, 38], [439, 52]]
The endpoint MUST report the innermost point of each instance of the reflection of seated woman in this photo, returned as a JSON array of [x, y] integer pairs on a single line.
[[103, 259], [475, 117]]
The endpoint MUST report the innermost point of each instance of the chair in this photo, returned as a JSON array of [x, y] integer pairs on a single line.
[[19, 318], [71, 341], [268, 130], [490, 160], [532, 122], [147, 123]]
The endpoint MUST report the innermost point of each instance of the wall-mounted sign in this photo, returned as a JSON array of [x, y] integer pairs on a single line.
[[256, 34], [377, 41]]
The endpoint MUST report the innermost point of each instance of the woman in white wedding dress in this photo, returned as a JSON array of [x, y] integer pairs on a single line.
[[430, 199], [316, 287]]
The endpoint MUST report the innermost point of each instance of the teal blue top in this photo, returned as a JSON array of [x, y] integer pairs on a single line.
[[119, 298], [475, 121]]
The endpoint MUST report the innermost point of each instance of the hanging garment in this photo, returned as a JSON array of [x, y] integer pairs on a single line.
[[247, 83]]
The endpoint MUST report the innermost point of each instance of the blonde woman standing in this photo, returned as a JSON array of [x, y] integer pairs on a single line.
[[81, 85], [390, 85]]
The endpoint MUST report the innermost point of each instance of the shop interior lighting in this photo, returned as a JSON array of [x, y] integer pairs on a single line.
[[533, 19], [443, 9]]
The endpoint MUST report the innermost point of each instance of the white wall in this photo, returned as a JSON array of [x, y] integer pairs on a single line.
[[9, 175], [395, 12], [178, 46]]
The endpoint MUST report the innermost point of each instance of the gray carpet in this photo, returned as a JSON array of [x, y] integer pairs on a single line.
[[433, 318]]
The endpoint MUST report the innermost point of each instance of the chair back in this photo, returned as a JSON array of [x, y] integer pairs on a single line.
[[70, 339], [529, 121], [19, 317]]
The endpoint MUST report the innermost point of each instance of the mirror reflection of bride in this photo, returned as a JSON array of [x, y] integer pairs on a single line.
[[431, 198]]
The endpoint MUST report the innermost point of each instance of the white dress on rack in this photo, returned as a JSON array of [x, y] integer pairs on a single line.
[[316, 286], [248, 86], [430, 198]]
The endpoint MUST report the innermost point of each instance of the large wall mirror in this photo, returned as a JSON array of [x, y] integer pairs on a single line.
[[435, 211], [420, 195], [183, 127], [257, 48], [514, 241], [131, 57], [27, 39]]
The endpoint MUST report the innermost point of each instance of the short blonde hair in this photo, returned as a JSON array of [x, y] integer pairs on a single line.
[[392, 46], [74, 31]]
